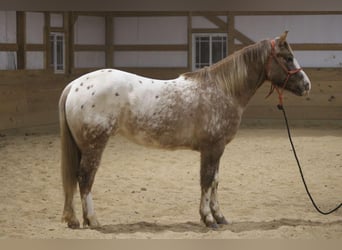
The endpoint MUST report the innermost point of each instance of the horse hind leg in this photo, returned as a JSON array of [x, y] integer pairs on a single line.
[[69, 214], [89, 164], [90, 161]]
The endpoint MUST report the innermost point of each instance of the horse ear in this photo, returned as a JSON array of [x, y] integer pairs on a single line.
[[282, 38]]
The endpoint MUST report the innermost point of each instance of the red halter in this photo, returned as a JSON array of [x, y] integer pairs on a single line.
[[268, 73]]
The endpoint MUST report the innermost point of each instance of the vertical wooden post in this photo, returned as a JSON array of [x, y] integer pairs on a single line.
[[231, 33], [109, 40], [70, 42], [66, 18], [21, 34], [47, 46], [190, 41]]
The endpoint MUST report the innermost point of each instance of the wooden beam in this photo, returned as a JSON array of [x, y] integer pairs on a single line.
[[8, 47], [148, 13], [231, 34], [285, 13], [152, 47], [47, 39], [242, 38], [109, 41], [213, 13], [34, 47], [70, 42], [307, 46], [189, 29], [315, 46], [21, 34], [66, 18], [217, 21], [209, 30], [86, 47]]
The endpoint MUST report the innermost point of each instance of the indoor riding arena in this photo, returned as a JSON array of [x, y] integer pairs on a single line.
[[142, 192]]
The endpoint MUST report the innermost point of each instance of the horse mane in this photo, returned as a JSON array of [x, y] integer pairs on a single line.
[[231, 72]]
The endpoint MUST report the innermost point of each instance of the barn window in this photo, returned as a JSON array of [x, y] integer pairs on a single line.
[[57, 57], [208, 49]]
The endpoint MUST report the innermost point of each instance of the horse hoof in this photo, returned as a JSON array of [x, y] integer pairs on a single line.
[[213, 226], [74, 224], [222, 221], [92, 222]]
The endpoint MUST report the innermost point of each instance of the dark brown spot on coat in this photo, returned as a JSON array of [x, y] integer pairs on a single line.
[[93, 106], [81, 106], [76, 89], [157, 96], [140, 81], [93, 93], [81, 84], [116, 94]]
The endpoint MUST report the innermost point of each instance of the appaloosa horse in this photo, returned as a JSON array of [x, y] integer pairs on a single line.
[[198, 110]]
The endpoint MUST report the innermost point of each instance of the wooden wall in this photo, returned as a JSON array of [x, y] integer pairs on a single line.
[[30, 98], [323, 103]]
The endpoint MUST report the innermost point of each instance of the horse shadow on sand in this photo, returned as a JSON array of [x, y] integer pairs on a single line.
[[236, 227]]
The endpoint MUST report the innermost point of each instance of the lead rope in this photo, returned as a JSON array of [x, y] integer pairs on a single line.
[[281, 107]]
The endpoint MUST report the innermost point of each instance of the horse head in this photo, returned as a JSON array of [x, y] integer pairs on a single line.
[[283, 69]]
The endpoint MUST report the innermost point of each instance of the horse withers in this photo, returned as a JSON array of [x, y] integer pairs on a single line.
[[198, 110]]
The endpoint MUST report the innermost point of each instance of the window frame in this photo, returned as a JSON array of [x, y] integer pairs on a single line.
[[53, 40], [210, 35]]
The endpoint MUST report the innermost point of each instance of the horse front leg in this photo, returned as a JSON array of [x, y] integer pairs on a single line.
[[214, 203], [209, 206]]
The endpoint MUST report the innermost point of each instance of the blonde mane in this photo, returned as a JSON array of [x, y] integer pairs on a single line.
[[232, 72]]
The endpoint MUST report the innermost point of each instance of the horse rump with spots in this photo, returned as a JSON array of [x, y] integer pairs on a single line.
[[198, 110]]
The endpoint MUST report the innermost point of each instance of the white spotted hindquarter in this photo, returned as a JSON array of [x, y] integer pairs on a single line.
[[162, 113]]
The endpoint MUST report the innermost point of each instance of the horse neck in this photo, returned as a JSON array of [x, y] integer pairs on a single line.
[[242, 73]]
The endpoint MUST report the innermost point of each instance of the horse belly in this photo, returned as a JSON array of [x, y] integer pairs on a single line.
[[159, 132], [164, 122]]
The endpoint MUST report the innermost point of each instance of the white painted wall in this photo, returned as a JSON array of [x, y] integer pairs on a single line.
[[90, 30], [302, 29], [90, 59], [7, 27], [34, 27], [199, 22], [34, 60], [8, 60], [150, 59], [150, 30], [34, 35], [56, 20]]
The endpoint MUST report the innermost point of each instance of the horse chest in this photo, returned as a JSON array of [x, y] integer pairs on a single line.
[[220, 119]]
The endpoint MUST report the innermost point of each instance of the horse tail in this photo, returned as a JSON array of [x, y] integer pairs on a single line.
[[71, 155]]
